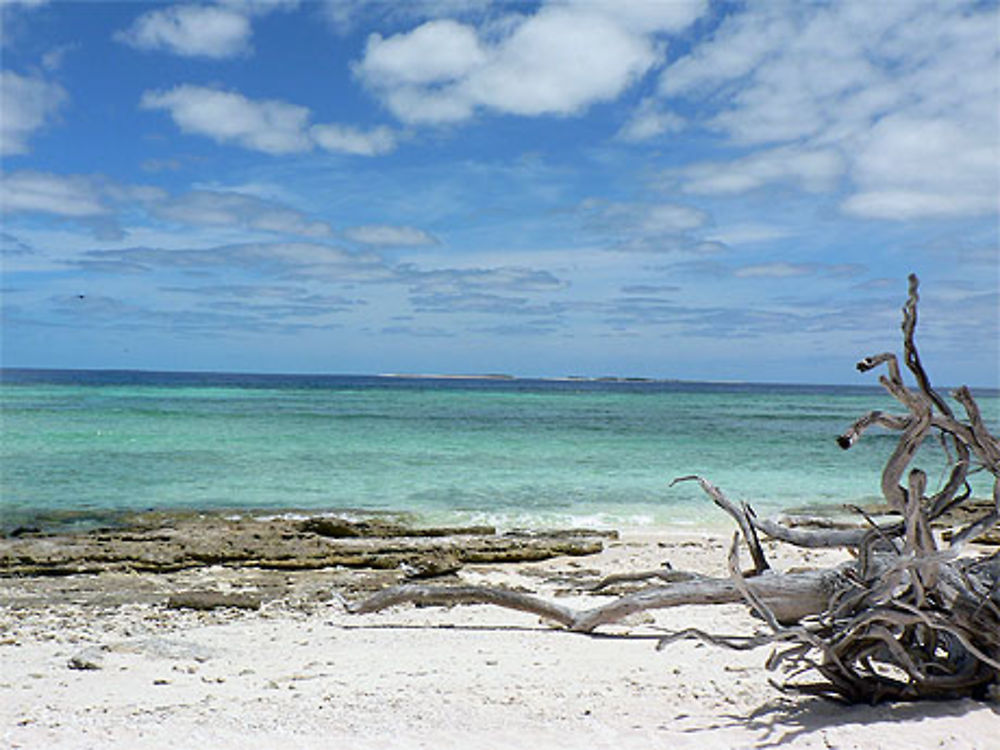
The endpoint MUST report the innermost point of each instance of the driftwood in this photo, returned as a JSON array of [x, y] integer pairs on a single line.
[[904, 619]]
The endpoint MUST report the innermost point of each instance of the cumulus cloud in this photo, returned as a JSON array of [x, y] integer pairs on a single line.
[[348, 140], [911, 167], [559, 61], [268, 125], [191, 31], [436, 52], [908, 98], [672, 16], [27, 103], [385, 235]]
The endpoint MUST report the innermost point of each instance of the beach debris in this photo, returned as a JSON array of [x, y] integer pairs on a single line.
[[904, 619]]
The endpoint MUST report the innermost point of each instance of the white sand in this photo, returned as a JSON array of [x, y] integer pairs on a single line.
[[467, 677]]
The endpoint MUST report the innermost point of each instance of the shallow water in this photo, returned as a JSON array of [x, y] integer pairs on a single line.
[[80, 447]]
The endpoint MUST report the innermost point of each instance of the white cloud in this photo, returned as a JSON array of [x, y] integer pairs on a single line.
[[668, 218], [558, 61], [648, 121], [26, 103], [379, 234], [39, 192], [214, 208], [191, 31], [646, 227], [747, 234], [54, 58], [812, 170], [909, 97], [908, 168], [347, 140], [271, 126], [435, 52], [259, 7], [645, 16], [345, 15], [785, 270], [736, 48], [778, 270], [268, 125]]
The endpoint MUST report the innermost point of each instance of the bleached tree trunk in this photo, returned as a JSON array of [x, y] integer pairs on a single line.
[[904, 620]]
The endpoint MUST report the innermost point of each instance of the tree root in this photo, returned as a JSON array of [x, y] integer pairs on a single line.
[[903, 620]]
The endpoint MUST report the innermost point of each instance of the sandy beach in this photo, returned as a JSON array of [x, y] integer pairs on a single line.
[[99, 661]]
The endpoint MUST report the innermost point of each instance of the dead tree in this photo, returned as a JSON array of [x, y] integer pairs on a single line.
[[904, 619]]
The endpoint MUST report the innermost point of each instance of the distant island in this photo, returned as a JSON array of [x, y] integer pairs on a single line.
[[442, 376], [504, 376]]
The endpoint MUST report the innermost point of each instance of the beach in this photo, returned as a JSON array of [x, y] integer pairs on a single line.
[[180, 554], [102, 660]]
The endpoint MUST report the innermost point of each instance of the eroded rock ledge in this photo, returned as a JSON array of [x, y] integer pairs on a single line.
[[159, 543]]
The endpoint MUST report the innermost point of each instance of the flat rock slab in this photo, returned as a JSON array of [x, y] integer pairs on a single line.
[[164, 544], [206, 600], [95, 657]]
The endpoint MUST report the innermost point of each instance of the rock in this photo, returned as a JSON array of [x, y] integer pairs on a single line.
[[341, 528], [94, 657], [276, 544], [19, 531], [89, 658], [431, 565], [206, 600]]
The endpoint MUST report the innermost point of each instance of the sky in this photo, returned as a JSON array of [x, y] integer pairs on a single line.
[[661, 188]]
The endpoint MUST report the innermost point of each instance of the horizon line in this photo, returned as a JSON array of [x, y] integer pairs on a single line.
[[490, 376]]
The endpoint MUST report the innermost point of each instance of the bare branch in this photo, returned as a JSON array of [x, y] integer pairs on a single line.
[[741, 516]]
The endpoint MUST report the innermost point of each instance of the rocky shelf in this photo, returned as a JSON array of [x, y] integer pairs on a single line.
[[160, 543]]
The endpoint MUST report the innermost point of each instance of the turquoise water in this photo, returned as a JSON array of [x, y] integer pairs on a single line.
[[510, 452]]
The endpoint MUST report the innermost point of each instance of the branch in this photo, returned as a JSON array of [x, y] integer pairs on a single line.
[[500, 597], [790, 596], [909, 327], [741, 516]]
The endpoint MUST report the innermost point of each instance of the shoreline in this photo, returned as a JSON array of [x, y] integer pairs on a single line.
[[299, 671], [74, 523]]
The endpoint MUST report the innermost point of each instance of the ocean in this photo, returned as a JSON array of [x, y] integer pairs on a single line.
[[82, 448]]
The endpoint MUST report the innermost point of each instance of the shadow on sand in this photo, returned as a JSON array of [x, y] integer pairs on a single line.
[[781, 721]]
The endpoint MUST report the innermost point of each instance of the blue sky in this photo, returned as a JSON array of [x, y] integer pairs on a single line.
[[694, 190]]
